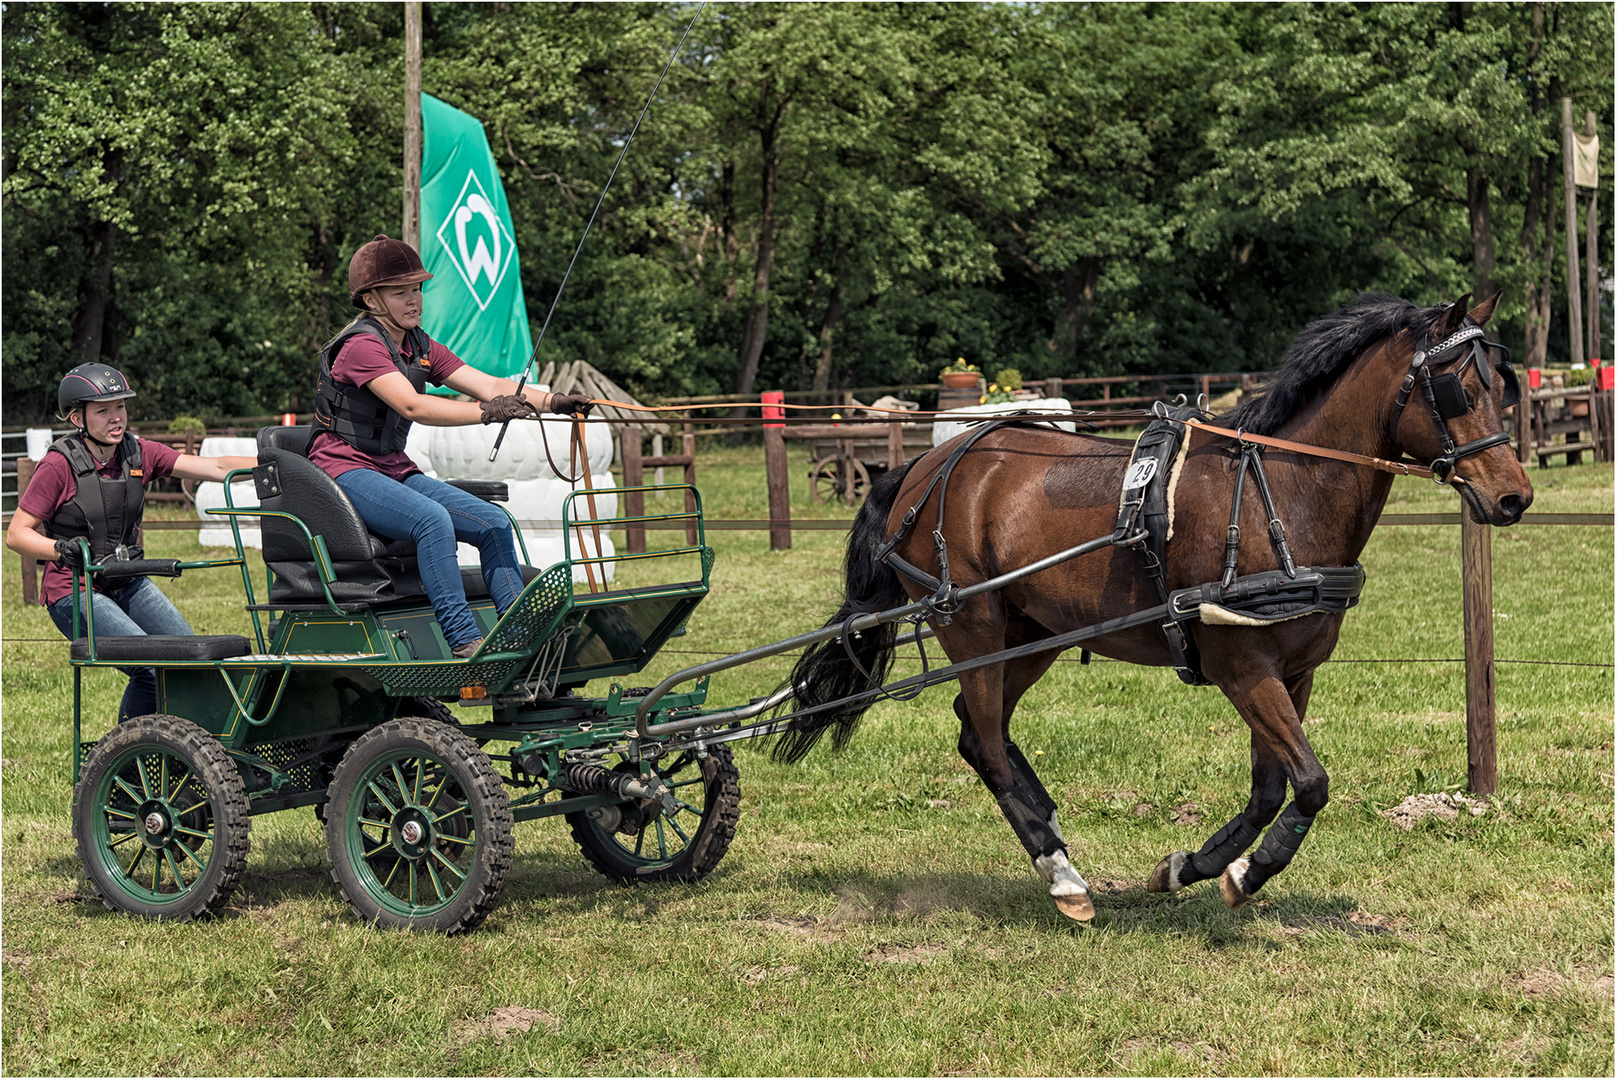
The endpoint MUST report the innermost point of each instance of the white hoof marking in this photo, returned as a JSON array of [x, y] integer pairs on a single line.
[[1059, 874], [1176, 863]]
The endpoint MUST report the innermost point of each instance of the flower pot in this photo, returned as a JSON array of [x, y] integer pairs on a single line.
[[960, 380]]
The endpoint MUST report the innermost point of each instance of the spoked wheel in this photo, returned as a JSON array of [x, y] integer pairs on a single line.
[[160, 816], [839, 479], [419, 828], [640, 840]]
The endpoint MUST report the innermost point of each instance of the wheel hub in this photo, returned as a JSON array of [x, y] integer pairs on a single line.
[[156, 823], [412, 832]]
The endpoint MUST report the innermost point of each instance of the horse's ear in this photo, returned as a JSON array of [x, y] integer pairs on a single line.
[[1452, 319], [1484, 311]]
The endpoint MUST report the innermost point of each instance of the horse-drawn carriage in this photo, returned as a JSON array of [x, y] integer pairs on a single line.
[[339, 702]]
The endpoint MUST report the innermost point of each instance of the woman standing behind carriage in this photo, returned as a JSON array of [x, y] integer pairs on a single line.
[[372, 378], [91, 486]]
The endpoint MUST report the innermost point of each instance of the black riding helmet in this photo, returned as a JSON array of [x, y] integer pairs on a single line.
[[91, 382]]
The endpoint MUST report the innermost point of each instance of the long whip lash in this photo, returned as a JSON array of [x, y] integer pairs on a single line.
[[528, 367]]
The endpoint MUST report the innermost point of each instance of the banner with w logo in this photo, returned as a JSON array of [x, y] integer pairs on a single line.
[[474, 302]]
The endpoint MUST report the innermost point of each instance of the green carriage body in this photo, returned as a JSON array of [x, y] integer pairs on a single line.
[[326, 678]]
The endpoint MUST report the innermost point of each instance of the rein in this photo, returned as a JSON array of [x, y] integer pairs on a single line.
[[1401, 468]]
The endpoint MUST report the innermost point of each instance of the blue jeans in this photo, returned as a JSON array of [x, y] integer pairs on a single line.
[[434, 516], [135, 610]]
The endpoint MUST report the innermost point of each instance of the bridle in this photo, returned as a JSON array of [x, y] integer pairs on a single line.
[[1446, 395]]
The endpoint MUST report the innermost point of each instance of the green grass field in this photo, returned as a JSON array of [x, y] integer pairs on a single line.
[[876, 915]]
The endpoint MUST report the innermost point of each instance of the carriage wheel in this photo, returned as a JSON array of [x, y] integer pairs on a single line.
[[419, 828], [839, 479], [160, 817], [640, 840]]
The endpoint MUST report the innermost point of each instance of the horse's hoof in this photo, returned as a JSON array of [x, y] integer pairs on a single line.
[[1229, 885], [1076, 906], [1165, 878]]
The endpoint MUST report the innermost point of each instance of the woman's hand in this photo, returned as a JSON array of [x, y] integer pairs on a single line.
[[505, 408]]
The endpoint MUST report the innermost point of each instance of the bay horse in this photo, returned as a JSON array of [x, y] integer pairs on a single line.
[[1024, 492]]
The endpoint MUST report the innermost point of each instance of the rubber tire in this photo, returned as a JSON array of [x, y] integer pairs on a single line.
[[429, 708], [484, 797], [226, 811], [721, 811]]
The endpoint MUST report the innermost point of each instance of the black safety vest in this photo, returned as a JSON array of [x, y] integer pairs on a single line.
[[354, 414], [106, 511]]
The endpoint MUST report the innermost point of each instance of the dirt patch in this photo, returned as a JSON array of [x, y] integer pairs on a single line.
[[19, 960], [1145, 809], [1204, 1052], [757, 974], [1448, 807], [803, 926], [506, 1021], [1187, 814], [915, 954], [1546, 983], [1354, 924]]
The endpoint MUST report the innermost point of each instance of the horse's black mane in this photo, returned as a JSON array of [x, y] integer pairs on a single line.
[[1321, 352]]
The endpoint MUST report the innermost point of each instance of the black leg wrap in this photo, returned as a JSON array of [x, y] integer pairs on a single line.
[[1030, 821], [1279, 846], [1026, 776], [1225, 846]]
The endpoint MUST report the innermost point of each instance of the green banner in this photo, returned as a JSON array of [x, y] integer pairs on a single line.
[[474, 302]]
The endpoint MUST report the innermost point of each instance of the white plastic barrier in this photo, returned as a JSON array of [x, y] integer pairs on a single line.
[[947, 425], [215, 531], [537, 493]]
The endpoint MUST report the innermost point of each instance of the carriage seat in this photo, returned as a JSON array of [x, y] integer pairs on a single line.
[[370, 570], [152, 648]]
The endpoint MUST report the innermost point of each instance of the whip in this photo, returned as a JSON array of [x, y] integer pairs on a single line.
[[528, 367]]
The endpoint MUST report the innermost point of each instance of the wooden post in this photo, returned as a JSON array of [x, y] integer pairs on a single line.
[[412, 123], [1476, 561], [1524, 428], [30, 566], [775, 471], [1574, 283], [895, 444], [1591, 260], [688, 446], [634, 502], [1052, 387]]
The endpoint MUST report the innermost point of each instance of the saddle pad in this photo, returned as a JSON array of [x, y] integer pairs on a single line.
[[153, 648]]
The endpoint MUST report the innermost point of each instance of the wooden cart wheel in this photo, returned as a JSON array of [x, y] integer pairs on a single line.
[[824, 476], [419, 827], [839, 479], [640, 840], [160, 816]]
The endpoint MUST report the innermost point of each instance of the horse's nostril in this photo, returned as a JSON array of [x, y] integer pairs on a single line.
[[1513, 506]]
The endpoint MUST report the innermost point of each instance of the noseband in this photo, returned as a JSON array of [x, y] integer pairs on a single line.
[[1446, 395]]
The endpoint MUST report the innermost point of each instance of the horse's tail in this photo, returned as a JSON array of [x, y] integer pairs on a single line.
[[833, 669]]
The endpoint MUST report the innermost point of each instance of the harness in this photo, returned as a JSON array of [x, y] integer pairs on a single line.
[[106, 512], [1144, 524], [354, 414]]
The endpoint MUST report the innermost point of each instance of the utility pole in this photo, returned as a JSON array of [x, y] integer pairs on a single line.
[[1574, 283], [1591, 254], [412, 123]]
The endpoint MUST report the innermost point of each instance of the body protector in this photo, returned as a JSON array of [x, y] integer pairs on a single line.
[[354, 414], [106, 512]]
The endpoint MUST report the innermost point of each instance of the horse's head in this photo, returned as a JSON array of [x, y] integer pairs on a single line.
[[1456, 418]]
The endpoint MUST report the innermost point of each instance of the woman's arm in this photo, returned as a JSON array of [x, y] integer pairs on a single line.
[[197, 467], [485, 387], [395, 390], [23, 536]]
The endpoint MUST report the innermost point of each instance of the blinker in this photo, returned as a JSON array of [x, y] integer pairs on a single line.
[[1450, 397]]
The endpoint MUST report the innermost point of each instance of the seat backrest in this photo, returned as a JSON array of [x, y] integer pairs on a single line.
[[290, 483]]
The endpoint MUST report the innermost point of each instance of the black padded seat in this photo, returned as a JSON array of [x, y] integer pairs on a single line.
[[157, 648]]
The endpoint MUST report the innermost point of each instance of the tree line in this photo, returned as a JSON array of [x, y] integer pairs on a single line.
[[822, 196]]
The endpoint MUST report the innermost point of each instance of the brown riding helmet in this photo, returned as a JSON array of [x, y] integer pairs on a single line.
[[383, 261]]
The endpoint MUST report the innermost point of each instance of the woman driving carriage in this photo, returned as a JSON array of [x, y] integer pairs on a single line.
[[62, 506], [372, 380]]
